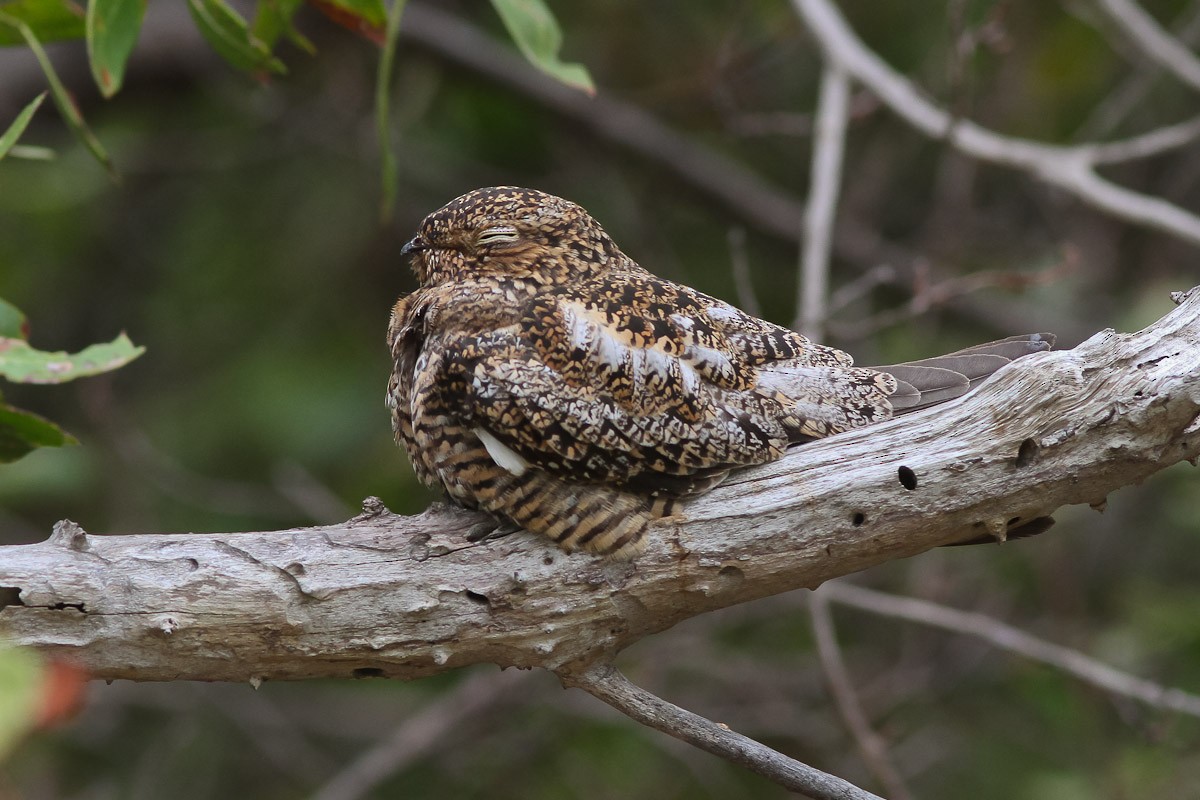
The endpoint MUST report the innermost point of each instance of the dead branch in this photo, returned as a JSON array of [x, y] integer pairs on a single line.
[[1072, 169], [1154, 43], [604, 681], [1014, 640], [406, 597], [871, 745], [829, 145]]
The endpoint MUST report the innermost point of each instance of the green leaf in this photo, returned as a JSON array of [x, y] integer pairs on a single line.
[[31, 153], [21, 686], [13, 324], [274, 19], [538, 37], [21, 363], [22, 432], [50, 20], [10, 136], [383, 120], [112, 31], [226, 30], [62, 100]]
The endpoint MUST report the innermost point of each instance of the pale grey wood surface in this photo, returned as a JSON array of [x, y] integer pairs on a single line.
[[409, 596]]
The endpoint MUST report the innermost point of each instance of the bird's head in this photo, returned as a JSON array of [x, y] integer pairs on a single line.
[[506, 231]]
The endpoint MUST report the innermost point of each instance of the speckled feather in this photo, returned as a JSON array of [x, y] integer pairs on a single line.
[[542, 375]]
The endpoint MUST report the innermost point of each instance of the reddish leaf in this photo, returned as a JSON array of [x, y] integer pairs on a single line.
[[348, 19], [63, 690]]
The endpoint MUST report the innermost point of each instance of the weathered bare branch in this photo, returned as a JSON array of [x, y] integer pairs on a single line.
[[1155, 43], [1069, 168], [829, 145], [870, 744], [1134, 87], [604, 681], [1014, 640], [409, 596], [418, 734]]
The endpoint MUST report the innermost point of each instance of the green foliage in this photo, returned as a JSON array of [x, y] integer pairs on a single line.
[[66, 106], [20, 685], [371, 13], [229, 34], [13, 324], [23, 364], [539, 38], [383, 123], [20, 431], [10, 137], [49, 20], [274, 20], [112, 30]]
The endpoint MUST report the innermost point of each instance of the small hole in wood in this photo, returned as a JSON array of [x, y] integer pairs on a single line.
[[476, 597], [859, 518], [368, 672], [1027, 452], [730, 576], [908, 478], [10, 596]]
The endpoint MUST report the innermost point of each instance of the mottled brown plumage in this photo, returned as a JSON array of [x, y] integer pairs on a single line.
[[543, 376]]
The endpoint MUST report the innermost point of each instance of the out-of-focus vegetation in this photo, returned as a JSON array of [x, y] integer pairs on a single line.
[[242, 248], [20, 431]]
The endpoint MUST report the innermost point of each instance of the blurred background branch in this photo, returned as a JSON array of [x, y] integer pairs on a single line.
[[1015, 641], [841, 687], [1070, 168], [1155, 43], [829, 144]]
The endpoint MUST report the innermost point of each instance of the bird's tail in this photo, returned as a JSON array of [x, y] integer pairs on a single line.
[[930, 381]]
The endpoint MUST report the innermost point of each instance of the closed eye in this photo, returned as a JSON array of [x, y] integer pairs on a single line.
[[500, 234]]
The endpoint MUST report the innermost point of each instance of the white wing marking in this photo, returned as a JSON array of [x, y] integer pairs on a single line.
[[501, 453]]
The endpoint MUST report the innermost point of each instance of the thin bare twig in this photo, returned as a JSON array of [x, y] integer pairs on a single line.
[[1070, 168], [927, 293], [295, 482], [1006, 637], [286, 745], [829, 146], [752, 198], [1155, 43], [739, 264], [605, 682], [1119, 103], [870, 744], [415, 736], [855, 290], [715, 174], [1148, 144], [750, 124]]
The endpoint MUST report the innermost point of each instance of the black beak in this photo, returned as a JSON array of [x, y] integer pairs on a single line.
[[414, 245]]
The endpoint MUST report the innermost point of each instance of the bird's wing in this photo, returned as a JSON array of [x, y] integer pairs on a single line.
[[645, 384]]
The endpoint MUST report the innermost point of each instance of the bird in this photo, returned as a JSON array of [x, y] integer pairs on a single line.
[[541, 375]]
